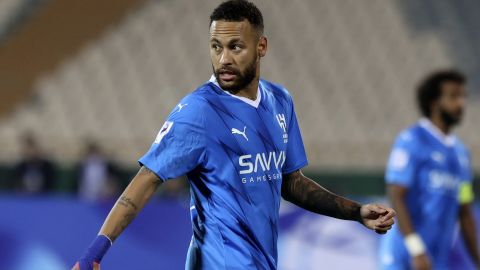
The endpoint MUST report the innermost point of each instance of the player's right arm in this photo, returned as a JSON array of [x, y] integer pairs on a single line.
[[400, 174], [178, 148], [132, 200]]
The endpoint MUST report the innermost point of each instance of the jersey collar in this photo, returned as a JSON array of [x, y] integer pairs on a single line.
[[250, 102], [447, 140]]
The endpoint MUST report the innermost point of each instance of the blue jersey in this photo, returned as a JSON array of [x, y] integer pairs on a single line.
[[434, 168], [234, 152]]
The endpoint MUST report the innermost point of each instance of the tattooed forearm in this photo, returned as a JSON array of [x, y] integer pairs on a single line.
[[307, 194], [127, 202], [132, 200], [127, 215], [120, 226]]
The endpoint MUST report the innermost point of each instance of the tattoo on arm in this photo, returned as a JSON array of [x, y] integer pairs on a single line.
[[127, 202], [126, 219], [309, 195], [131, 207]]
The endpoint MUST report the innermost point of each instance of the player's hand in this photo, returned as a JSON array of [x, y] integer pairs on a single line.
[[421, 262], [84, 265], [377, 217]]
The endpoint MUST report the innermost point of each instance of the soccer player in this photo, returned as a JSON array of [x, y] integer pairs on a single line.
[[237, 139], [430, 181]]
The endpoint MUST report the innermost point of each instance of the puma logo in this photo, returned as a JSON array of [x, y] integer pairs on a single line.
[[236, 131], [180, 106]]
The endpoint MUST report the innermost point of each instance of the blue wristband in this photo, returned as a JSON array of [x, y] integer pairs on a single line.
[[97, 249]]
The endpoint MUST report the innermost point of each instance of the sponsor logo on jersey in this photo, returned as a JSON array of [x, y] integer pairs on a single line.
[[443, 182], [256, 168]]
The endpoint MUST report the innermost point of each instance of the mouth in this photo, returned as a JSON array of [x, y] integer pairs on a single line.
[[227, 75]]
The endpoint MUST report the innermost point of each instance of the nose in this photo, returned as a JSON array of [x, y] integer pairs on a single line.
[[226, 58]]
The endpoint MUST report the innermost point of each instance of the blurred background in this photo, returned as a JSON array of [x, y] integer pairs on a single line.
[[85, 86]]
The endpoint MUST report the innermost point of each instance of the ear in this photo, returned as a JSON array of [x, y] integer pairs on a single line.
[[262, 46]]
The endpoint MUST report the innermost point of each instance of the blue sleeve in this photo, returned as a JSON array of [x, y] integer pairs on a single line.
[[296, 158], [465, 192], [465, 163], [180, 144], [403, 161]]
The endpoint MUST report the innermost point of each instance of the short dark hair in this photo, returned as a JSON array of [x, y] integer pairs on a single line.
[[237, 11], [430, 89]]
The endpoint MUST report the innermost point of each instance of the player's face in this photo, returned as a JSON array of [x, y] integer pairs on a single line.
[[452, 103], [235, 51]]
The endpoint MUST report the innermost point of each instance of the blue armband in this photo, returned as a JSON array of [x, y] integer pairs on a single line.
[[97, 249]]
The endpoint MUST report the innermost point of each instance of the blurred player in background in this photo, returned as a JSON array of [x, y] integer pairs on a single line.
[[35, 170], [430, 181], [97, 175], [237, 139]]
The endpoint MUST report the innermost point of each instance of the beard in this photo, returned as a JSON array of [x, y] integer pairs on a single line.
[[242, 79], [451, 118]]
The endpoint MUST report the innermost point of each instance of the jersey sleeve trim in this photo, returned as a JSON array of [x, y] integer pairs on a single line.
[[398, 181], [296, 167], [158, 174]]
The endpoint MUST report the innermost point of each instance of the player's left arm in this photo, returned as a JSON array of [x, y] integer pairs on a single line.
[[307, 194], [467, 222]]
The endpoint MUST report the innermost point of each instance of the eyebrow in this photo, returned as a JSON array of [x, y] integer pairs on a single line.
[[235, 40]]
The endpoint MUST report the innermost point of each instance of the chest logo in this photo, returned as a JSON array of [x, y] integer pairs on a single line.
[[438, 157], [282, 122], [238, 132]]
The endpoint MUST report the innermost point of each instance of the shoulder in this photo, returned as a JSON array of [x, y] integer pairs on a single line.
[[276, 90], [409, 137], [199, 95], [191, 106], [461, 146], [405, 148], [464, 157]]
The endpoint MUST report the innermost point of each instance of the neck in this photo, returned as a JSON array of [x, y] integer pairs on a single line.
[[250, 91], [440, 124]]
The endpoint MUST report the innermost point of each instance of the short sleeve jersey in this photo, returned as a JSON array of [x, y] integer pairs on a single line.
[[234, 152], [434, 168]]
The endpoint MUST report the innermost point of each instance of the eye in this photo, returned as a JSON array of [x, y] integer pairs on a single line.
[[216, 48], [236, 47]]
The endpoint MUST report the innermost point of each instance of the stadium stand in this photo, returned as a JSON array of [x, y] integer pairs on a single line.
[[352, 68], [9, 9]]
